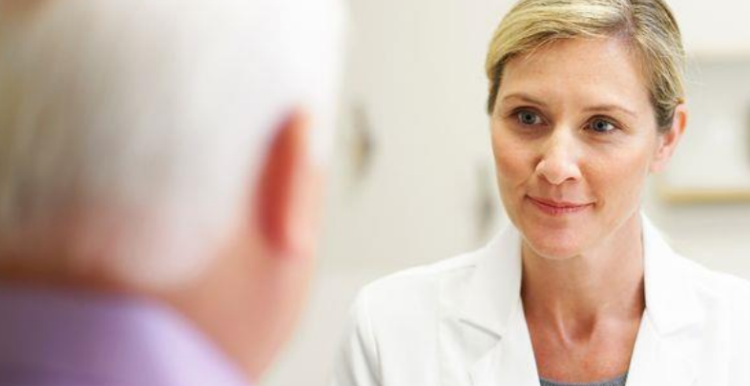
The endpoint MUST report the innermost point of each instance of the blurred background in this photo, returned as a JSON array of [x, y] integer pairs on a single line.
[[413, 178]]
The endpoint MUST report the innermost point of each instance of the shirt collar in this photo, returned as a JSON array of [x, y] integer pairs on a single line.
[[106, 339]]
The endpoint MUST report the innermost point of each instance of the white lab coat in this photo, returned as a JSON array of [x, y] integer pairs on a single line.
[[460, 322]]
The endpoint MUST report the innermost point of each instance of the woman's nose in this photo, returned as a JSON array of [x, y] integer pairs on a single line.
[[559, 159]]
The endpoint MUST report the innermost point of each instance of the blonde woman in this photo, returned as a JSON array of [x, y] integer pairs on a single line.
[[586, 101]]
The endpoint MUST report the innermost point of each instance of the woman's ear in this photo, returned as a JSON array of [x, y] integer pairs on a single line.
[[286, 192], [667, 142]]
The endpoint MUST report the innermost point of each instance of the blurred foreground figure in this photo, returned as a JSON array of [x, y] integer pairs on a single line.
[[160, 166]]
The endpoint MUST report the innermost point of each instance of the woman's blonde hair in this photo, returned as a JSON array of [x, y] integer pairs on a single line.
[[647, 25]]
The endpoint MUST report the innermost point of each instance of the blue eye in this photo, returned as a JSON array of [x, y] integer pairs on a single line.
[[528, 118], [603, 126]]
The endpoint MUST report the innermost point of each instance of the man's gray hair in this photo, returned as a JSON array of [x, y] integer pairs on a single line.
[[151, 117]]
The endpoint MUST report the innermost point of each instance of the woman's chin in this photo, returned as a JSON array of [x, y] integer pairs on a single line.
[[554, 247]]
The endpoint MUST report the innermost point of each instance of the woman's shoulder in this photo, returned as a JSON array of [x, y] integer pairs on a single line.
[[417, 283], [721, 288], [718, 282], [393, 319], [412, 295]]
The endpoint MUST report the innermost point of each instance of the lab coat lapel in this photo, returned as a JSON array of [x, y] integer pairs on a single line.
[[511, 361], [657, 362], [490, 337], [489, 307], [669, 340], [491, 295]]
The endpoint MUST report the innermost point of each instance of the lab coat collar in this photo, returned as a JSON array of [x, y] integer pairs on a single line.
[[656, 360], [671, 301], [492, 295], [665, 350]]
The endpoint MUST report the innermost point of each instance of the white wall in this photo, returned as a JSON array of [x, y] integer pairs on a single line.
[[417, 68]]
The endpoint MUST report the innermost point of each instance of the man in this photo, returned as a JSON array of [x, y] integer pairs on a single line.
[[160, 166]]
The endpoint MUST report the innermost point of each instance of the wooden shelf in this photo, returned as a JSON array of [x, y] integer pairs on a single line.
[[704, 196], [718, 53]]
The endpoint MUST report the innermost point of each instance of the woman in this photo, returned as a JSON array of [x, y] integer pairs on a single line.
[[586, 100]]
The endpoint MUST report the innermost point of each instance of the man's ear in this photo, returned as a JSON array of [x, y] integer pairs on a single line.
[[667, 142], [286, 200]]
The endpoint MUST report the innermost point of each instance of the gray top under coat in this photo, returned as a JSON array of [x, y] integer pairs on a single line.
[[620, 381]]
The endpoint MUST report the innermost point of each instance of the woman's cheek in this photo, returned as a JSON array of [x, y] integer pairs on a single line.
[[511, 159]]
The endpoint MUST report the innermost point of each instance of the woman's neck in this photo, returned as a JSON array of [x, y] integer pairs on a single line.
[[603, 284]]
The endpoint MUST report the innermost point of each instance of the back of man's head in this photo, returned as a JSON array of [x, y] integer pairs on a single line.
[[147, 119], [142, 141]]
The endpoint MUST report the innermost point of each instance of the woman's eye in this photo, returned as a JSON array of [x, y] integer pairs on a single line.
[[528, 118], [602, 126]]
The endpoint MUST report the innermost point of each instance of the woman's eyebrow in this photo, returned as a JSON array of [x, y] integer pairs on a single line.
[[525, 98], [610, 107], [597, 108]]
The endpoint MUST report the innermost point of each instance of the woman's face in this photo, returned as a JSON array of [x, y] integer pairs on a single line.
[[574, 136]]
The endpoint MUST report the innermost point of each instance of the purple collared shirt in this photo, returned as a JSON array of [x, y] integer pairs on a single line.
[[74, 339]]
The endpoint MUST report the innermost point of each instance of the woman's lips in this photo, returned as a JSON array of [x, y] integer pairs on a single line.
[[556, 208]]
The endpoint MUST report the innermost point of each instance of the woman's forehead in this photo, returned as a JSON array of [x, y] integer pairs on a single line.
[[601, 70]]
